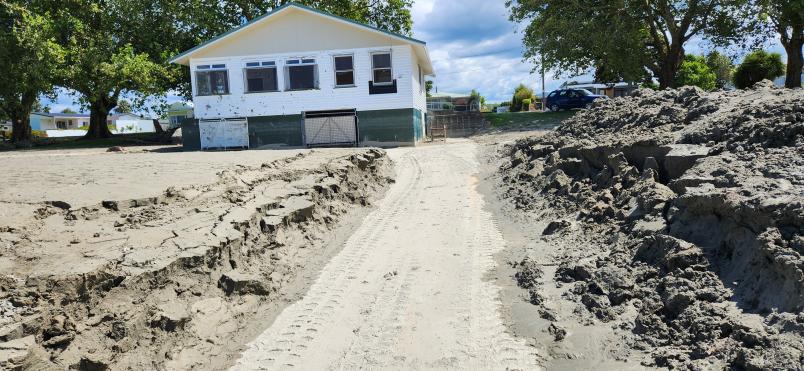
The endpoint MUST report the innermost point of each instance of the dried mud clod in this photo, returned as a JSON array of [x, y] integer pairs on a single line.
[[173, 281], [692, 204]]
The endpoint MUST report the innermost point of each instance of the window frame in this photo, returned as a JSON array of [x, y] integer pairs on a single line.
[[211, 68], [300, 61], [263, 65], [390, 67], [335, 71]]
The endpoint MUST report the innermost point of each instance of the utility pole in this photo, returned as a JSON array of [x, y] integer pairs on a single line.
[[543, 95]]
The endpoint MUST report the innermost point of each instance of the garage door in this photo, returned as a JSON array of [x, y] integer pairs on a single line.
[[330, 128], [223, 134]]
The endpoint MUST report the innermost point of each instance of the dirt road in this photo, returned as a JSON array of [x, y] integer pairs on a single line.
[[409, 290]]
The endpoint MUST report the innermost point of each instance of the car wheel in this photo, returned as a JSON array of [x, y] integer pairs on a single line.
[[554, 108]]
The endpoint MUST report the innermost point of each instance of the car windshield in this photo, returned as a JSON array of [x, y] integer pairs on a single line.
[[585, 92]]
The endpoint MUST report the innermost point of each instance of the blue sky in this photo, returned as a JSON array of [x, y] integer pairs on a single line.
[[473, 45]]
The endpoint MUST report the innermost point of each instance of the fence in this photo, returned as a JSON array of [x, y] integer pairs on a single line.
[[448, 124]]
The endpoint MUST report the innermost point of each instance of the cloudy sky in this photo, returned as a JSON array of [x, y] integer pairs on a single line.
[[473, 46]]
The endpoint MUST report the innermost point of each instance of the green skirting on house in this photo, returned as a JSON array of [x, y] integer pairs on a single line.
[[190, 135], [383, 128], [275, 131]]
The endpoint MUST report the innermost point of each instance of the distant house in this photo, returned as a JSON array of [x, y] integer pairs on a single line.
[[298, 76], [42, 121], [619, 89], [452, 102], [179, 111], [131, 123]]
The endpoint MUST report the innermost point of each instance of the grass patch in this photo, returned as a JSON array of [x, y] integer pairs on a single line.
[[522, 119]]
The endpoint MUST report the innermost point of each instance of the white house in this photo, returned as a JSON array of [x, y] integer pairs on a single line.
[[130, 123], [301, 77]]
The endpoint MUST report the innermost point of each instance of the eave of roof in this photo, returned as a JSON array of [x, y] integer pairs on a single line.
[[281, 8]]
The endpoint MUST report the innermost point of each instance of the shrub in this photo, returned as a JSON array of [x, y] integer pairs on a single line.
[[521, 93], [695, 72], [758, 66], [526, 104]]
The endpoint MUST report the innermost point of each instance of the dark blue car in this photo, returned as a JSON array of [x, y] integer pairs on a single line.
[[571, 98]]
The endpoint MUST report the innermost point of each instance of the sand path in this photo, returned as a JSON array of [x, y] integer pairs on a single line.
[[408, 290]]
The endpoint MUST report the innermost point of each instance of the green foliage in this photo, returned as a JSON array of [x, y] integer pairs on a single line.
[[528, 119], [695, 72], [521, 93], [623, 40], [723, 68], [428, 86], [476, 97], [758, 66], [67, 110], [123, 106], [30, 60], [526, 104]]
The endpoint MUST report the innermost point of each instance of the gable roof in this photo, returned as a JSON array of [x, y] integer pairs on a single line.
[[420, 47]]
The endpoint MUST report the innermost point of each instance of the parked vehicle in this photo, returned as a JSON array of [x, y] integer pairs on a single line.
[[571, 98]]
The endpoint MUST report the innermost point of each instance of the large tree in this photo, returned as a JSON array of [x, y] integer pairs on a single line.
[[787, 19], [625, 39], [29, 59], [113, 47]]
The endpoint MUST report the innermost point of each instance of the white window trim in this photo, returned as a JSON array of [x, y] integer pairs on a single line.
[[287, 67], [209, 68], [335, 71], [275, 67], [391, 59]]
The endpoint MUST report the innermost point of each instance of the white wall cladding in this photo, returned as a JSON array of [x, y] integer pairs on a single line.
[[327, 97]]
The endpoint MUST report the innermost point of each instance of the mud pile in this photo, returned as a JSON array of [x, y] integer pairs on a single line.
[[682, 217], [180, 280]]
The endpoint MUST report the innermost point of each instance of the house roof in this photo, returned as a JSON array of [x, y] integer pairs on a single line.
[[449, 95], [180, 106], [421, 46], [66, 115]]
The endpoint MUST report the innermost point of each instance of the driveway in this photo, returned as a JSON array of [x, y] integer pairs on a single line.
[[408, 289]]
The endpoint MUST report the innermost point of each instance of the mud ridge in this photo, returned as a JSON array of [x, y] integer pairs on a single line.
[[175, 281], [680, 216]]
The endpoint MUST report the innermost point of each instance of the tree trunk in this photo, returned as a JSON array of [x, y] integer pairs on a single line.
[[158, 128], [670, 65], [21, 129], [98, 126], [795, 60]]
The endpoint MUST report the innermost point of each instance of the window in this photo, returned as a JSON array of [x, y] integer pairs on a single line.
[[212, 80], [260, 77], [344, 70], [301, 74], [177, 120], [381, 68]]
